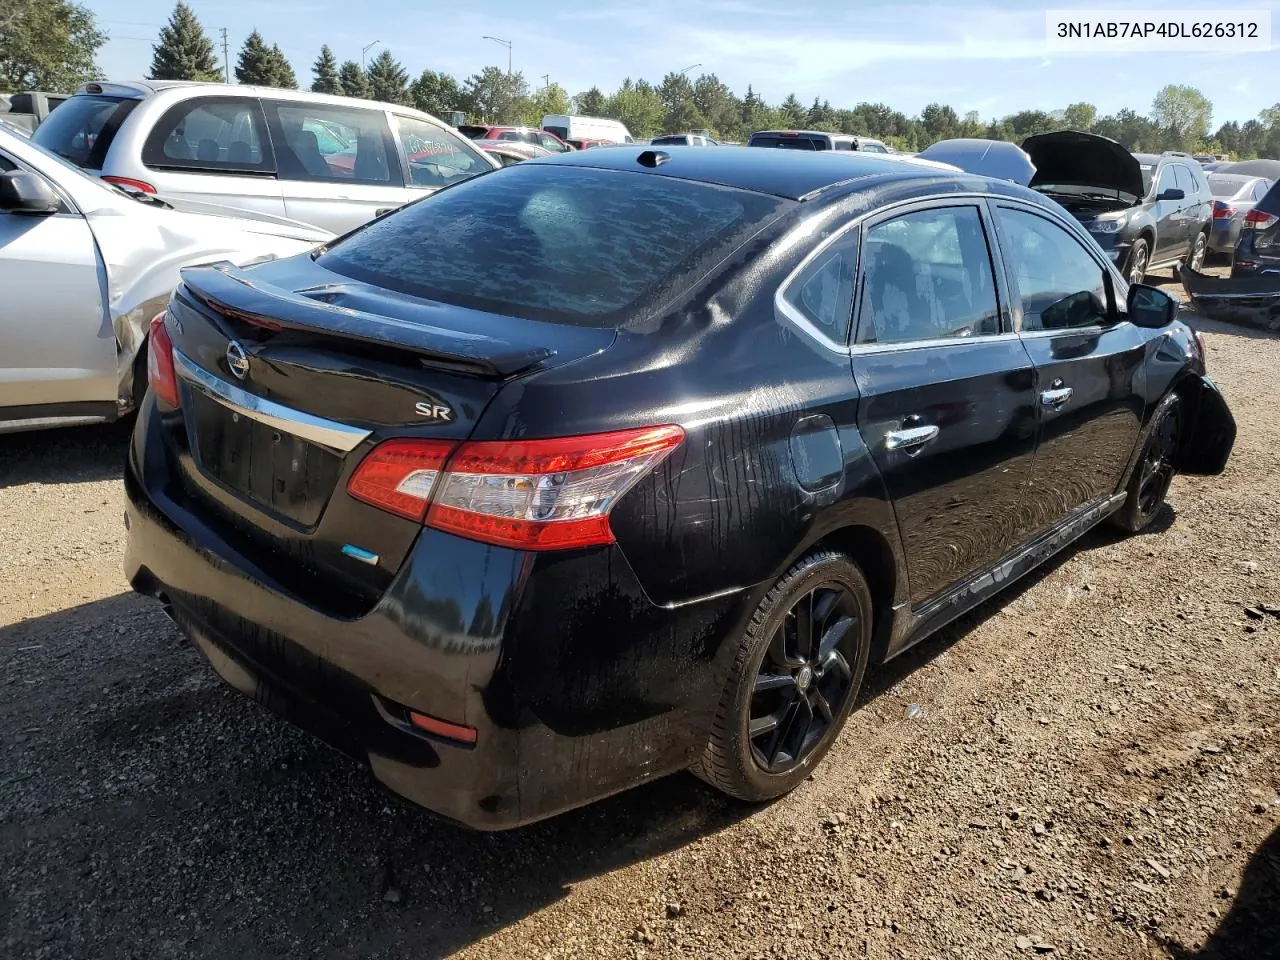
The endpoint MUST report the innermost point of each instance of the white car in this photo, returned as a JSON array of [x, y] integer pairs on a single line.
[[84, 266]]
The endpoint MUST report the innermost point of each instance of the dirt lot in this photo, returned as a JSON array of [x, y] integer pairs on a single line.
[[1092, 772]]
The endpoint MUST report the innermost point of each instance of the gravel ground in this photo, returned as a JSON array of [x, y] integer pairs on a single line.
[[1092, 771]]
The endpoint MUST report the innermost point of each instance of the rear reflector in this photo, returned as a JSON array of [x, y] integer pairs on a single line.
[[528, 494], [160, 372], [1258, 220], [442, 728], [129, 182]]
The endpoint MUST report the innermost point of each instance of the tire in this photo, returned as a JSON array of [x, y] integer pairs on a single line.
[[1199, 249], [1154, 471], [806, 689], [1139, 257]]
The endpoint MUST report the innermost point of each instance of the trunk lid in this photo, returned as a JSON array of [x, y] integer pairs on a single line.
[[290, 374], [1071, 158]]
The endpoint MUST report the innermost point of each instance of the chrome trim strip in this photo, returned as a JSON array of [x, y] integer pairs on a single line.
[[326, 433]]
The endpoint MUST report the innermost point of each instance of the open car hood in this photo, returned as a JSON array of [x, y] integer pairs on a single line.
[[1071, 158], [997, 159]]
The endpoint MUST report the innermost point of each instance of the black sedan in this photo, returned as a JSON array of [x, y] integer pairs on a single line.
[[628, 461]]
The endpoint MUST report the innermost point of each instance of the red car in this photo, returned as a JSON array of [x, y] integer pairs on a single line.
[[539, 138]]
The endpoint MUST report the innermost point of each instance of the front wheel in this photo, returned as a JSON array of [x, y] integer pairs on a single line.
[[794, 680], [1153, 474], [1139, 257]]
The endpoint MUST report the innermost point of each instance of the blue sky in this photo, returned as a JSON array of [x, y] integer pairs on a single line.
[[984, 55]]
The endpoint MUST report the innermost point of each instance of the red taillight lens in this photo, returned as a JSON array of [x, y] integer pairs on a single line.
[[443, 728], [1259, 220], [529, 494], [1223, 212], [399, 475], [160, 373], [129, 182]]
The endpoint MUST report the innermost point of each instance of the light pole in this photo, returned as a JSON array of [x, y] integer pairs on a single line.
[[365, 49], [505, 43], [692, 66]]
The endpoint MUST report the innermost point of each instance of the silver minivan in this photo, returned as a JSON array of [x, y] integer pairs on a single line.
[[335, 162]]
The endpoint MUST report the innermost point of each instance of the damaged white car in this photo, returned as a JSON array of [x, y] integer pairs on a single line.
[[84, 266]]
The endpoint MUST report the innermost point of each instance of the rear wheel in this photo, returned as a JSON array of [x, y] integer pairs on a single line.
[[1195, 259], [1139, 257], [794, 680], [1149, 484]]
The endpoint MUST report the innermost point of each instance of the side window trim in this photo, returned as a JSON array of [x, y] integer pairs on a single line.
[[153, 146], [936, 203], [783, 304], [1015, 295]]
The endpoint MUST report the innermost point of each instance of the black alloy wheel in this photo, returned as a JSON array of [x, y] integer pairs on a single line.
[[804, 678], [1153, 473], [1198, 251]]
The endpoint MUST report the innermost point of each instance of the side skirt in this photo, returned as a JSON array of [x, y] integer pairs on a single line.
[[911, 626], [50, 415]]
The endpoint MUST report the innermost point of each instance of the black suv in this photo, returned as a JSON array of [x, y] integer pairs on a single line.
[[1145, 210]]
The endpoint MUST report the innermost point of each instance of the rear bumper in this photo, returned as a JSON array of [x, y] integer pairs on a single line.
[[577, 685], [1223, 235], [1248, 300]]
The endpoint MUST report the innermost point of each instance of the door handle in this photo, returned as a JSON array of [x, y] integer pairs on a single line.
[[910, 439], [1056, 397]]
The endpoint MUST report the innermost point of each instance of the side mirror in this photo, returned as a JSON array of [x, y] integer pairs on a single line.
[[1150, 307], [1173, 193], [27, 193]]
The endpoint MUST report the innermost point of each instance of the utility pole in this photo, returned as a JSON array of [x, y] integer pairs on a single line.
[[546, 81], [226, 57]]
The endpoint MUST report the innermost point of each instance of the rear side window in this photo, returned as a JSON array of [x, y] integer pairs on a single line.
[[823, 291], [565, 244], [81, 130], [436, 157], [315, 141], [927, 276], [223, 134], [1061, 286]]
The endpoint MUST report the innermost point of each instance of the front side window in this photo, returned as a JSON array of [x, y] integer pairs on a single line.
[[927, 276], [1061, 287], [437, 157], [548, 142], [1168, 181], [561, 243], [320, 142], [212, 133]]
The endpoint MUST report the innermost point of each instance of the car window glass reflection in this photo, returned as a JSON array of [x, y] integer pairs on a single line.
[[1061, 286]]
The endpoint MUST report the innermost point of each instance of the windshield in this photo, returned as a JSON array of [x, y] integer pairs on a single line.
[[1146, 169], [560, 243], [81, 129]]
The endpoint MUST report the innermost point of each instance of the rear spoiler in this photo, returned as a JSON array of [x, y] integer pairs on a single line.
[[234, 294]]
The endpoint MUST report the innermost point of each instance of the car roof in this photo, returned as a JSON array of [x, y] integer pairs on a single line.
[[791, 174], [802, 133], [140, 89]]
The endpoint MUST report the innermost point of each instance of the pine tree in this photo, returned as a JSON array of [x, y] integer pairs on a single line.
[[184, 52], [353, 81], [388, 80], [325, 71], [255, 66], [282, 75]]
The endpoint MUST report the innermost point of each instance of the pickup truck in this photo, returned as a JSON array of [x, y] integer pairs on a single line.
[[27, 110]]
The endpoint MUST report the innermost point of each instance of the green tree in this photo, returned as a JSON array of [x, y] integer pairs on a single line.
[[1185, 110], [185, 51], [47, 45], [1270, 117], [638, 106], [352, 80], [435, 93], [388, 80], [1027, 123], [971, 125], [495, 96], [552, 98], [325, 72], [937, 122], [821, 116], [255, 65], [282, 75], [792, 113], [721, 111], [680, 112], [590, 102], [1080, 116]]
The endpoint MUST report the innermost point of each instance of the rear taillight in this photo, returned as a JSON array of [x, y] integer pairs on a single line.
[[1259, 220], [1222, 212], [130, 182], [160, 373], [529, 494]]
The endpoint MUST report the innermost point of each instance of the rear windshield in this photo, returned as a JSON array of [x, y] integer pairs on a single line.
[[82, 128], [1270, 203], [789, 143], [561, 132], [560, 243], [1227, 186]]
